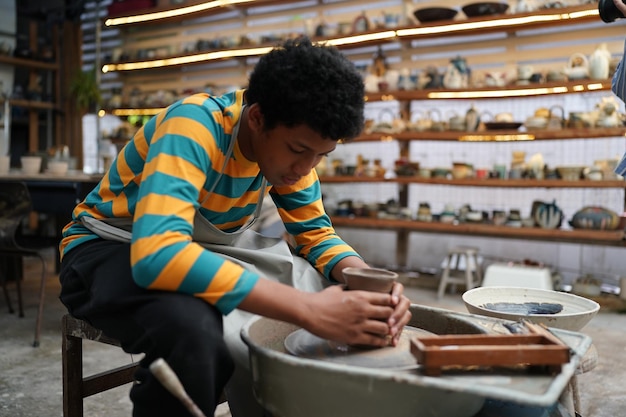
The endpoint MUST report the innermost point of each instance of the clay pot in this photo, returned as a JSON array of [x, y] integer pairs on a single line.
[[595, 217], [369, 279]]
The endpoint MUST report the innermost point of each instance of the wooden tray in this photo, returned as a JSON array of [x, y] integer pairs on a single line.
[[539, 347]]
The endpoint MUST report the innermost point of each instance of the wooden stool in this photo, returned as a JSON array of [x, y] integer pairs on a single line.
[[75, 386], [570, 398], [452, 274]]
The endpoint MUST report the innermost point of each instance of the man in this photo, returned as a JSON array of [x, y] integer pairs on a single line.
[[619, 85], [193, 177]]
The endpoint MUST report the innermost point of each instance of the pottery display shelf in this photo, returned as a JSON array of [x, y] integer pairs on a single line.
[[482, 182], [585, 236]]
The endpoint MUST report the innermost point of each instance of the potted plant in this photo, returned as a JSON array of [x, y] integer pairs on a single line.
[[85, 90]]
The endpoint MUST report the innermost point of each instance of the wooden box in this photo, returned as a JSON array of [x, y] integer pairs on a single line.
[[539, 348]]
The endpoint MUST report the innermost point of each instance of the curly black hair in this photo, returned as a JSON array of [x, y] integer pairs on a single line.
[[315, 85]]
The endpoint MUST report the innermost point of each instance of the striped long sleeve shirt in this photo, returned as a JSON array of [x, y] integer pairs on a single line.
[[161, 176]]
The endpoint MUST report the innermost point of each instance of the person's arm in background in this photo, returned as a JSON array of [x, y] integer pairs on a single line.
[[619, 78], [619, 86]]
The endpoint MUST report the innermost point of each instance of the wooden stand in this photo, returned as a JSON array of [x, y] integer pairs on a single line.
[[538, 347]]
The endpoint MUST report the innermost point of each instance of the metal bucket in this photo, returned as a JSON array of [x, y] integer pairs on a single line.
[[291, 386]]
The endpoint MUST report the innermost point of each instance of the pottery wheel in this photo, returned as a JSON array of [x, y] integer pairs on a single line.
[[306, 345]]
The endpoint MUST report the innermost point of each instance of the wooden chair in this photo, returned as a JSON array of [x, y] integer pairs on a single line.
[[76, 386], [15, 206]]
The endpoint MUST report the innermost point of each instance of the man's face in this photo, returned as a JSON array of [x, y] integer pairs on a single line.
[[287, 154]]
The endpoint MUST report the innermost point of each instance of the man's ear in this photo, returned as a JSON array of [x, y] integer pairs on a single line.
[[255, 118]]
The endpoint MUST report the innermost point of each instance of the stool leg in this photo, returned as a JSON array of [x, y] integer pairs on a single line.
[[478, 272], [444, 278], [469, 275], [42, 293], [72, 358]]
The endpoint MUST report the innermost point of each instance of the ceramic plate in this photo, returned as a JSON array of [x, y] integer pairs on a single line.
[[304, 344]]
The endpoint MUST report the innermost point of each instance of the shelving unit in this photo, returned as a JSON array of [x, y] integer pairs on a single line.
[[490, 43], [51, 81]]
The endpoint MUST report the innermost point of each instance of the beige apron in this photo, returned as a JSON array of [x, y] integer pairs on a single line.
[[269, 257]]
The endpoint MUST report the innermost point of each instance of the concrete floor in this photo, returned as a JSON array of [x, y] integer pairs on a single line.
[[30, 378]]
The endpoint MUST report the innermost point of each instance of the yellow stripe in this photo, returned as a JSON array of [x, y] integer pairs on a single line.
[[312, 237], [329, 254], [177, 269], [220, 286], [177, 167], [198, 99], [141, 144], [164, 205], [217, 202], [194, 131], [148, 245], [309, 211]]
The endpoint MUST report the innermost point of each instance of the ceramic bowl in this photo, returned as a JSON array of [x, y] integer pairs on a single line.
[[434, 14], [58, 167], [570, 173], [31, 164], [576, 313], [484, 9], [369, 279]]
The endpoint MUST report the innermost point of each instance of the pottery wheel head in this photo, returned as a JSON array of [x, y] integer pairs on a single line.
[[303, 344]]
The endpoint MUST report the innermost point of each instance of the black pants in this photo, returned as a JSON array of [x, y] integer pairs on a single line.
[[97, 286]]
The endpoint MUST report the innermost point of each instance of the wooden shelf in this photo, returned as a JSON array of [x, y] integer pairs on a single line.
[[493, 24], [193, 15], [584, 236], [31, 104], [28, 63], [509, 91], [476, 182], [495, 135]]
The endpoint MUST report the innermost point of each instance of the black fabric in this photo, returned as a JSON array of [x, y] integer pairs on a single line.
[[97, 286]]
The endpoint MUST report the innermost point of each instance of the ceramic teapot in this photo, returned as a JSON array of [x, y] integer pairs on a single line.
[[547, 215], [420, 123], [607, 112], [599, 62], [577, 67], [456, 122]]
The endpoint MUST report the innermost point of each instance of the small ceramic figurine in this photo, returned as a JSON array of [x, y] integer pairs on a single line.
[[457, 74], [472, 119]]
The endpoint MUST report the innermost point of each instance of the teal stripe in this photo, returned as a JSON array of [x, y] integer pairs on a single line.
[[133, 159], [149, 225], [227, 217], [155, 262], [300, 198], [233, 298], [167, 185], [202, 114], [235, 187], [311, 224], [330, 265], [181, 146], [149, 128], [206, 265]]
